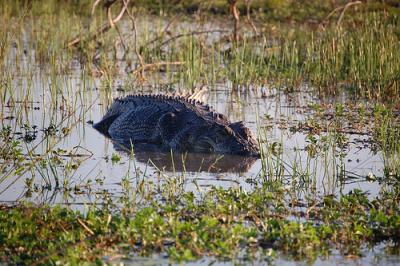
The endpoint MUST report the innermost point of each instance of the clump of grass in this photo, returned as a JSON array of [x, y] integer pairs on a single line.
[[387, 135], [361, 58]]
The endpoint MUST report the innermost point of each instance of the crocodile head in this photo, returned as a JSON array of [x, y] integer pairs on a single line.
[[233, 139]]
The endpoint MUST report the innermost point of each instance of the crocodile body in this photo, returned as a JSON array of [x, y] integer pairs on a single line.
[[175, 123]]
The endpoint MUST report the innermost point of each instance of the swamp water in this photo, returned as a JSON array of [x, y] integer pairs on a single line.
[[89, 160]]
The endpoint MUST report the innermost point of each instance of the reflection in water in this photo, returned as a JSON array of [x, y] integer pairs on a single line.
[[187, 162]]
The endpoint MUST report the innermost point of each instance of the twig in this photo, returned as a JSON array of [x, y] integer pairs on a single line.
[[333, 12], [107, 5], [109, 16], [94, 6], [103, 29], [344, 10], [139, 56], [118, 29], [121, 37], [161, 35], [248, 4], [235, 13], [85, 227]]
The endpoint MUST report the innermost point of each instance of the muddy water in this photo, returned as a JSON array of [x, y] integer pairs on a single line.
[[88, 163]]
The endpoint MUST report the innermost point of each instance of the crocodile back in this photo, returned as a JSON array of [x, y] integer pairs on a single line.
[[163, 104]]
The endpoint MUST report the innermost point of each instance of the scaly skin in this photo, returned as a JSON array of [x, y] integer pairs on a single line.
[[175, 123]]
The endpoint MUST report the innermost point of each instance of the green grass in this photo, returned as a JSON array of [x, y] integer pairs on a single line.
[[387, 136], [362, 59], [361, 56], [220, 224]]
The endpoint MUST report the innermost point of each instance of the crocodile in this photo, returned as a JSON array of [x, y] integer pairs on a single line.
[[175, 123]]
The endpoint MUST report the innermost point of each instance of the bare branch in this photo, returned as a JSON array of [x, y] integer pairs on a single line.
[[344, 10], [235, 13], [248, 4], [94, 6], [102, 30], [109, 16], [139, 56], [160, 36]]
